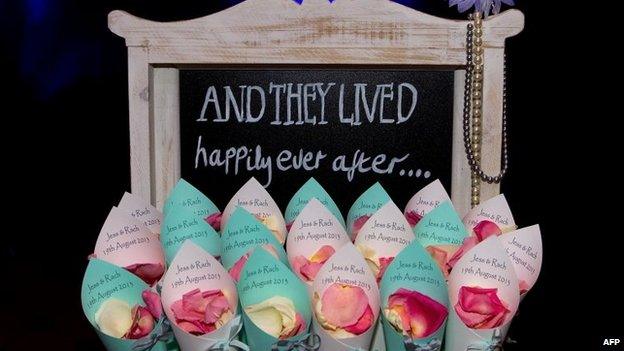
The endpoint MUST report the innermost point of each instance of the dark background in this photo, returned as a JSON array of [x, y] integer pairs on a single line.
[[66, 162]]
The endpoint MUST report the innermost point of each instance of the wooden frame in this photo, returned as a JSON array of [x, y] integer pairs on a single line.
[[347, 32]]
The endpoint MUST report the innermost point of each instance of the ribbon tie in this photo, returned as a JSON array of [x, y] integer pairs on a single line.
[[410, 345], [162, 334], [495, 344], [309, 342], [231, 342]]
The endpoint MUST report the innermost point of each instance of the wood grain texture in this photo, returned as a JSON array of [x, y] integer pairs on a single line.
[[166, 135], [280, 32]]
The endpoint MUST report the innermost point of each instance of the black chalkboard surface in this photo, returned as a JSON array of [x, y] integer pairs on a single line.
[[346, 128]]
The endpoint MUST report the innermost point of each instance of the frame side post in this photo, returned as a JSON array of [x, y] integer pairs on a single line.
[[139, 111], [492, 123], [460, 170], [166, 122]]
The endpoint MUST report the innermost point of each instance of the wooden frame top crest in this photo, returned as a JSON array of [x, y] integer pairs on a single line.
[[281, 32]]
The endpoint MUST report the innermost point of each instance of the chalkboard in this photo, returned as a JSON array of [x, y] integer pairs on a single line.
[[350, 127]]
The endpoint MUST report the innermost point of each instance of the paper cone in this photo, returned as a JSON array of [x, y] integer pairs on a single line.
[[193, 268], [486, 266], [262, 278], [426, 200], [314, 227], [383, 236], [524, 248], [365, 206], [186, 196], [311, 189], [494, 210], [348, 267], [142, 211], [103, 281], [124, 241], [441, 226], [244, 233], [412, 269], [180, 225], [256, 200]]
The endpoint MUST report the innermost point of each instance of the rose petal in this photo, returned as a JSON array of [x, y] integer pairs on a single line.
[[142, 325], [298, 328], [413, 218], [152, 302], [357, 225], [310, 270], [468, 244], [217, 305], [150, 273], [363, 323], [524, 287], [486, 229], [323, 254], [343, 305], [441, 258], [288, 226], [480, 308], [114, 318], [276, 316], [419, 315], [236, 269], [384, 262], [214, 220]]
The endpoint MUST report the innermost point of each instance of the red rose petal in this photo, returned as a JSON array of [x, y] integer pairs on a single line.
[[421, 315], [413, 218], [486, 229], [358, 224], [236, 269], [150, 273], [363, 324], [468, 244], [214, 220], [480, 308]]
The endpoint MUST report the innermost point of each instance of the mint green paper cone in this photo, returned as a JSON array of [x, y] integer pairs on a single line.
[[242, 234], [187, 196], [103, 281], [311, 189], [441, 226], [179, 225], [413, 269], [262, 278], [365, 206]]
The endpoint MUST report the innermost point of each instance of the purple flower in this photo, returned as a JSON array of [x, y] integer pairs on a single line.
[[484, 6]]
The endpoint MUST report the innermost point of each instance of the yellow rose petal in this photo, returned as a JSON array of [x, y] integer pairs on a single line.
[[114, 318], [275, 316]]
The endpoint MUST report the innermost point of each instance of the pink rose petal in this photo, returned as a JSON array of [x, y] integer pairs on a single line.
[[468, 244], [384, 262], [236, 269], [480, 308], [524, 287], [214, 220], [343, 305], [441, 258], [413, 218], [142, 323], [152, 303], [363, 323], [310, 270], [217, 305], [357, 225], [421, 316], [150, 273], [323, 254], [198, 312], [486, 229]]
